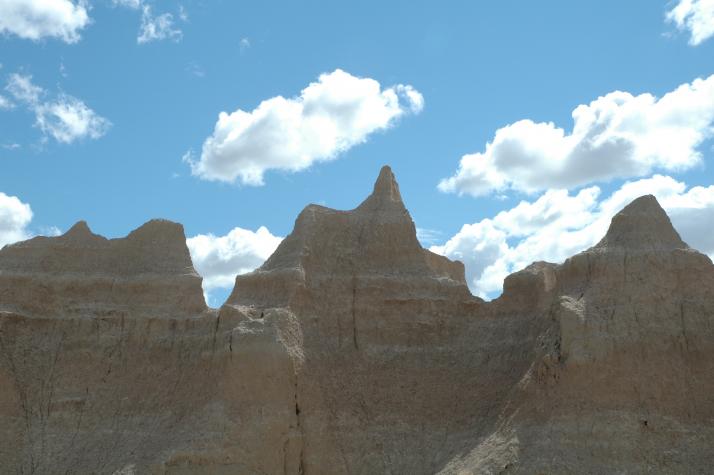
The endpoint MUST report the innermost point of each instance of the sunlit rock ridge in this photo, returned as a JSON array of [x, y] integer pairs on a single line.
[[353, 350]]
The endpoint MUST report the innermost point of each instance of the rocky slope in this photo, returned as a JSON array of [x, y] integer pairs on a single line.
[[352, 350]]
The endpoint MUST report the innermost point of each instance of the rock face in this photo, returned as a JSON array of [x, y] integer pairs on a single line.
[[352, 350], [149, 271]]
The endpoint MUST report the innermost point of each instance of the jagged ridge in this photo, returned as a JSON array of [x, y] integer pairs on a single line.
[[376, 239], [354, 350]]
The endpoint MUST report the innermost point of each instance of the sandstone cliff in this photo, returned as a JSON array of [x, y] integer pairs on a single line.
[[352, 350]]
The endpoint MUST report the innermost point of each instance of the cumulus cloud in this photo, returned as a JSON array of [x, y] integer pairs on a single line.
[[37, 19], [427, 236], [64, 118], [329, 117], [559, 224], [694, 16], [15, 216], [618, 135], [220, 258]]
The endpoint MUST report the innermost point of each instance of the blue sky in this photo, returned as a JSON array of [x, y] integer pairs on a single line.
[[479, 66]]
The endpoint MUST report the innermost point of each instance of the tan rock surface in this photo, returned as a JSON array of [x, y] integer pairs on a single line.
[[149, 271], [353, 350]]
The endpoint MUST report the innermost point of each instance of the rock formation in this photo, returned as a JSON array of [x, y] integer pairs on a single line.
[[352, 350], [149, 271]]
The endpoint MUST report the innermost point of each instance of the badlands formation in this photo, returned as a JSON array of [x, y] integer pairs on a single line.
[[352, 350]]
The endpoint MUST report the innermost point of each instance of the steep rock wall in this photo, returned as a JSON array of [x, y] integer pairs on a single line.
[[353, 350]]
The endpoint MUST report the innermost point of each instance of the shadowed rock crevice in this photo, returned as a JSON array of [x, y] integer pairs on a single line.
[[353, 350]]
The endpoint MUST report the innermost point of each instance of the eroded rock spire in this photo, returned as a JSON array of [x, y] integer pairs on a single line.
[[642, 225], [385, 195]]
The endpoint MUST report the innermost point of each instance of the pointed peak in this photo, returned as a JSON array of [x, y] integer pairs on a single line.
[[159, 229], [164, 243], [642, 225], [386, 192], [79, 232], [386, 185], [644, 205], [80, 227]]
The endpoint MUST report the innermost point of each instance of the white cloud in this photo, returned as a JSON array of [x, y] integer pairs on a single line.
[[616, 136], [133, 4], [22, 89], [428, 236], [65, 118], [52, 231], [5, 103], [329, 117], [695, 16], [37, 19], [154, 27], [68, 119], [220, 258], [558, 225], [14, 218], [157, 27]]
